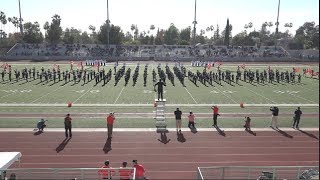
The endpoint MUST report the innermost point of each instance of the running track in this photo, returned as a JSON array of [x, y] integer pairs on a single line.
[[176, 159]]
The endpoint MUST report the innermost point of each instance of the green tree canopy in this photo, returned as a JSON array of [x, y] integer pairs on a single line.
[[53, 30], [32, 33]]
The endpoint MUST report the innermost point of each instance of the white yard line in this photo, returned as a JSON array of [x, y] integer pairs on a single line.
[[303, 98], [46, 94], [151, 105], [118, 96], [82, 95], [190, 95], [226, 95], [261, 95]]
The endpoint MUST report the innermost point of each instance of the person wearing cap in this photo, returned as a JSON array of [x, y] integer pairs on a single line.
[[215, 110], [296, 118], [110, 121], [140, 171], [191, 118], [68, 125], [178, 114], [104, 171], [125, 174]]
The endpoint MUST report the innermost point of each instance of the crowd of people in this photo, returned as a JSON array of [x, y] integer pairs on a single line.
[[98, 50]]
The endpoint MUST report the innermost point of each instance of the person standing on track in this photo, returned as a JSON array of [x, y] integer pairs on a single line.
[[191, 118], [274, 118], [68, 125], [215, 115], [160, 85], [296, 118], [110, 121], [178, 114]]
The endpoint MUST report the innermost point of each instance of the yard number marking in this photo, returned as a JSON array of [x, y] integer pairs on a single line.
[[288, 92]]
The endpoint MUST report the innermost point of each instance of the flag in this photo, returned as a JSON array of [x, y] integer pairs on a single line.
[[243, 66], [315, 74], [72, 62], [79, 65], [309, 70], [55, 67], [218, 63], [209, 65], [296, 70]]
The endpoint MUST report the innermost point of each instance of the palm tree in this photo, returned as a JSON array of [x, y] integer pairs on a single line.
[[133, 27], [3, 20]]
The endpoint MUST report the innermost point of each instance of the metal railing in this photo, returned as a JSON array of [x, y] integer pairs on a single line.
[[254, 172], [64, 173]]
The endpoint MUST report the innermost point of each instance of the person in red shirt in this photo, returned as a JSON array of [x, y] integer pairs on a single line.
[[140, 171], [215, 115], [125, 174], [104, 173], [110, 121]]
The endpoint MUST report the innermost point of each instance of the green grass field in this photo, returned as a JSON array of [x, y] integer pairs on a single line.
[[33, 97]]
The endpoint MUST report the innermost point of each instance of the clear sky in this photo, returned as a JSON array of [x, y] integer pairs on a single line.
[[81, 13]]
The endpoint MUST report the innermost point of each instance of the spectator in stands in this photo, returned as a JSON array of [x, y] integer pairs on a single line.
[[191, 118], [215, 110], [178, 114], [296, 118], [104, 171], [140, 171], [110, 121], [125, 174], [68, 125], [274, 118]]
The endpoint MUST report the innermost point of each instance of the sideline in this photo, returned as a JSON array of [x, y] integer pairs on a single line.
[[149, 129]]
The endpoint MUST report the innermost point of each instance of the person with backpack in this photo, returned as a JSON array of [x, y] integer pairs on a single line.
[[68, 125]]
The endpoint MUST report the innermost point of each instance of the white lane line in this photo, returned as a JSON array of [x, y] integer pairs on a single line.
[[261, 95], [46, 94], [83, 95], [190, 95], [118, 96]]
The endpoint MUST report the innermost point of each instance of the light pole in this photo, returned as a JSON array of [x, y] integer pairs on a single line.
[[21, 29], [277, 24], [108, 24], [194, 22]]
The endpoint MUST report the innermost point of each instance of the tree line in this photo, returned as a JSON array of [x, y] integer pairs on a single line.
[[306, 36]]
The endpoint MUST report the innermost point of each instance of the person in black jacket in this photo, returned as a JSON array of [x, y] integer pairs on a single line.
[[68, 125], [274, 119], [296, 118], [160, 85], [178, 114]]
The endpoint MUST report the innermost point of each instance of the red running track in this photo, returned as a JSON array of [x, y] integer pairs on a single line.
[[176, 159]]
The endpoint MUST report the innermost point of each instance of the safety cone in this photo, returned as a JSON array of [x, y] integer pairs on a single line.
[[69, 104], [241, 105]]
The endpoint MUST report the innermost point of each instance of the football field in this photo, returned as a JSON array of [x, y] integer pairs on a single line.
[[24, 102]]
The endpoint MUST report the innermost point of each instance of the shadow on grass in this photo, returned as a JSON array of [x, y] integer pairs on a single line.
[[107, 146], [62, 145], [309, 134]]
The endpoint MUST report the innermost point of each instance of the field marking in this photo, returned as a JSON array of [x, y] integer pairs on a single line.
[[303, 98], [118, 95], [47, 94], [83, 95], [191, 95], [151, 105], [261, 95], [154, 129], [226, 95]]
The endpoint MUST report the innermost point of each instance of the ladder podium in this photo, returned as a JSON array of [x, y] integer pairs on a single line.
[[161, 123]]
